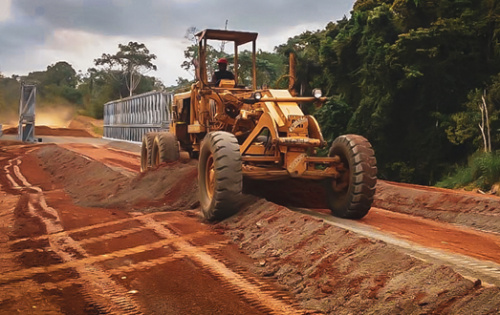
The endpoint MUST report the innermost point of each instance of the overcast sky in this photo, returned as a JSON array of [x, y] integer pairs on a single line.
[[38, 33]]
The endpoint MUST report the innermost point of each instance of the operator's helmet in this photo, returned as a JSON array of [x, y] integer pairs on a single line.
[[222, 60]]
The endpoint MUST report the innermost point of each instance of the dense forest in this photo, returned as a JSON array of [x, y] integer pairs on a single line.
[[419, 78]]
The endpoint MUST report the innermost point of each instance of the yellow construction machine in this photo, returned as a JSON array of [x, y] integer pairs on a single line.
[[238, 131]]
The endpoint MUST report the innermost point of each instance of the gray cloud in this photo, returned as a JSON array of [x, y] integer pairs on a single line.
[[22, 32], [172, 17], [33, 22]]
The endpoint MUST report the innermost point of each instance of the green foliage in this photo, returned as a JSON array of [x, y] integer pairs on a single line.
[[269, 68], [9, 96], [57, 84], [409, 71], [60, 74], [402, 171], [128, 64], [191, 55], [306, 48], [98, 89], [98, 130], [483, 171], [333, 118], [462, 126]]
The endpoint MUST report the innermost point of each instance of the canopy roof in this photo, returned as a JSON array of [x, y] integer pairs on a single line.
[[239, 38]]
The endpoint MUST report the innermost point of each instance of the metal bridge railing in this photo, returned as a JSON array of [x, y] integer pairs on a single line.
[[130, 118]]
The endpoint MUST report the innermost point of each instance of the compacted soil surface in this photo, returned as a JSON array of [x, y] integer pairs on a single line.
[[83, 232]]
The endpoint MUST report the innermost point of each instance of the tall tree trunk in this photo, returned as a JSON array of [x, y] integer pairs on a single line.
[[487, 117], [484, 126], [131, 86]]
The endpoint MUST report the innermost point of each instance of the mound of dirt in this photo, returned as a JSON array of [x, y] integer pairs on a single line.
[[464, 208], [91, 125], [339, 272], [93, 184], [49, 131]]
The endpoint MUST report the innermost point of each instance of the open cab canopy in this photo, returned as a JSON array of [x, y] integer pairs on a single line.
[[238, 38]]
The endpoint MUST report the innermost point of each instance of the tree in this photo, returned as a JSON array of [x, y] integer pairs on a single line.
[[191, 56], [191, 52], [132, 61], [56, 84], [9, 96], [61, 74], [484, 126], [308, 70], [269, 66]]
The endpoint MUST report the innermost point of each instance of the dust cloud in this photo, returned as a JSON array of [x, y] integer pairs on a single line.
[[54, 116], [9, 118]]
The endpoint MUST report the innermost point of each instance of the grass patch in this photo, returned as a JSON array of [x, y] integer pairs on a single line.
[[98, 130], [482, 171]]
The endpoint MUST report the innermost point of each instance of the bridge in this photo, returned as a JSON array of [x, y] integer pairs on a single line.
[[130, 118]]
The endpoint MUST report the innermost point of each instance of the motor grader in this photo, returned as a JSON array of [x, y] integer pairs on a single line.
[[238, 131]]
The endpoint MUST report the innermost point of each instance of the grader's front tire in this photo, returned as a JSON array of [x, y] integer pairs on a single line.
[[351, 195], [165, 148], [147, 150], [220, 177]]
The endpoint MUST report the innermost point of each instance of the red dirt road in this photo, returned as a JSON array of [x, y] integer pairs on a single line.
[[81, 234], [461, 240], [59, 258]]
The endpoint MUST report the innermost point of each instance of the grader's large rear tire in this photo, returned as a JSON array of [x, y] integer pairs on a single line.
[[165, 148], [147, 150], [351, 195], [220, 178]]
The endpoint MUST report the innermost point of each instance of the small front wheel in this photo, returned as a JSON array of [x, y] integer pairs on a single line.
[[351, 194], [220, 177]]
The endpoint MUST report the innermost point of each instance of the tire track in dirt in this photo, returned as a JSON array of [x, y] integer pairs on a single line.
[[77, 230], [27, 286], [14, 184], [98, 287], [87, 260], [250, 291]]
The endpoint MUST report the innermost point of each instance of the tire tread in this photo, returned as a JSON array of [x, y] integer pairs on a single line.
[[359, 154], [229, 176]]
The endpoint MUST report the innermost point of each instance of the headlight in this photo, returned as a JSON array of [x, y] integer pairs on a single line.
[[257, 96], [317, 93]]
